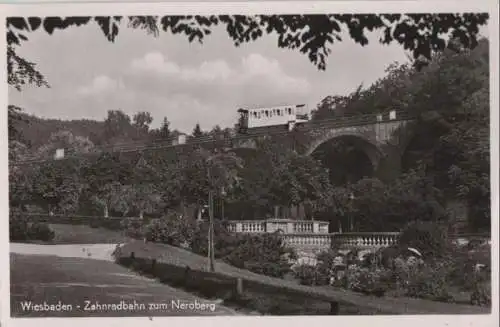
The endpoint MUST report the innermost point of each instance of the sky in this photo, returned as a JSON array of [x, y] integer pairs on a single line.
[[188, 83]]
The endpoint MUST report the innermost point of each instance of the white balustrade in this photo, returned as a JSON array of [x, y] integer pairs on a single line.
[[307, 241], [365, 240], [313, 234], [303, 227]]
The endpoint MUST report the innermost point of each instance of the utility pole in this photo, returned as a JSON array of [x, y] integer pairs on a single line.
[[211, 247], [222, 196]]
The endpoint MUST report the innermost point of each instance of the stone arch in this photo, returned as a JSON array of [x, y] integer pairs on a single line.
[[367, 144]]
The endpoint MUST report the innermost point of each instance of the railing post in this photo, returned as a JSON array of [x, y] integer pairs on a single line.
[[334, 308], [153, 265], [239, 287]]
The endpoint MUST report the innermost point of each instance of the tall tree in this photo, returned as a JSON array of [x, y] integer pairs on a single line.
[[117, 127], [58, 186], [165, 128], [197, 132], [142, 120]]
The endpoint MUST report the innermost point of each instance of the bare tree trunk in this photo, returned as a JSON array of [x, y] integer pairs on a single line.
[[141, 214], [106, 211], [276, 211]]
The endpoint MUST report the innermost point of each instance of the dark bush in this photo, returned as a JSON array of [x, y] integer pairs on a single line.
[[429, 238], [40, 232], [133, 227], [368, 281], [481, 294], [330, 264], [309, 275], [430, 281], [224, 241], [263, 254], [172, 229], [94, 223], [18, 228]]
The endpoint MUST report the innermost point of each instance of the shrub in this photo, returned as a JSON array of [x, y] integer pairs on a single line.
[[172, 229], [430, 281], [224, 241], [18, 228], [481, 295], [41, 232], [310, 275], [94, 223], [429, 238], [388, 255], [330, 263], [368, 281], [263, 254], [133, 227]]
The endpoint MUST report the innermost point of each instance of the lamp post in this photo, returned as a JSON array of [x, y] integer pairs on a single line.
[[223, 196], [351, 224], [211, 246]]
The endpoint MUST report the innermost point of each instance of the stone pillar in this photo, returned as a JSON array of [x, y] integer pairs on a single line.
[[269, 227], [316, 227]]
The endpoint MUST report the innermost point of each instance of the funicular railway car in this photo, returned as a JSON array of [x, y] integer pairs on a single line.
[[281, 117]]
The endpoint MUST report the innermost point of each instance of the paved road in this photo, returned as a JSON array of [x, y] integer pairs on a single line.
[[76, 280]]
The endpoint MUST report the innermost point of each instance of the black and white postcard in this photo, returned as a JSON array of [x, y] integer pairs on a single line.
[[336, 162]]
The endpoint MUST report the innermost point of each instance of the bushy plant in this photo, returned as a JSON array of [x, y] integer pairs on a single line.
[[263, 254], [40, 232], [430, 281], [481, 294], [224, 241], [368, 281], [94, 223], [133, 228], [18, 227], [172, 229], [310, 275], [330, 264], [429, 238]]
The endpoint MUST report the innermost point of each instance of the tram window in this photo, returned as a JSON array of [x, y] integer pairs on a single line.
[[289, 111], [267, 113]]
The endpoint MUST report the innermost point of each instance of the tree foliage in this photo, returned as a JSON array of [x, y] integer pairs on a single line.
[[312, 35]]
